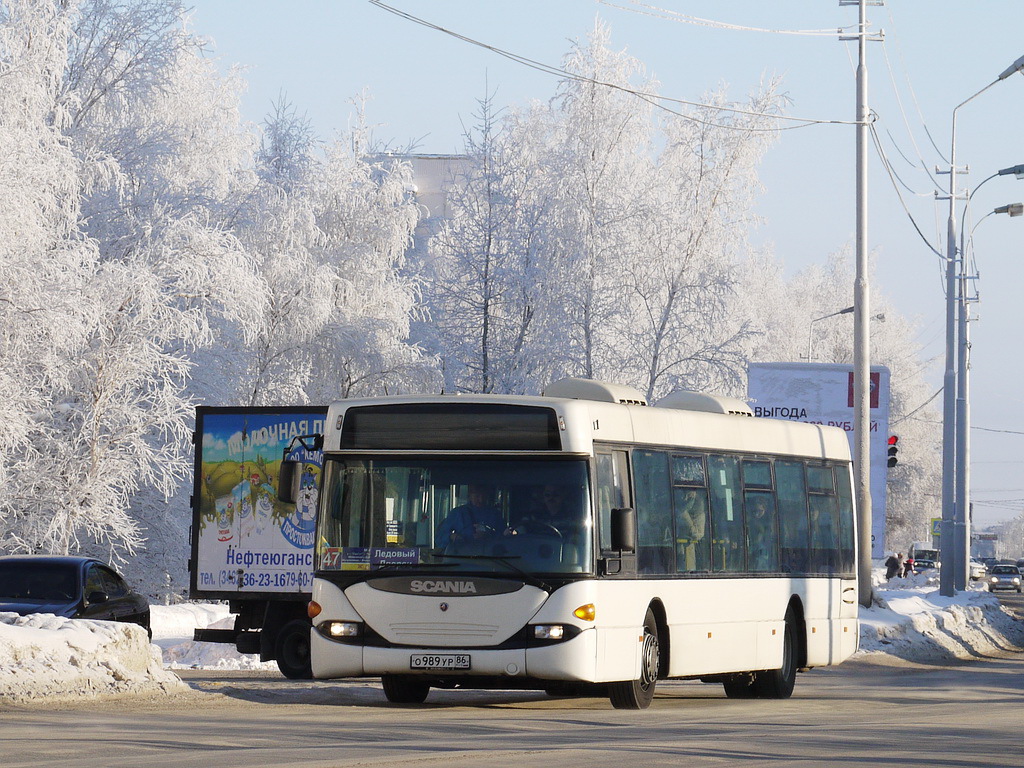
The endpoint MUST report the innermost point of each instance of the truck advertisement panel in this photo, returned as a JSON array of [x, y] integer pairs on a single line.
[[245, 541]]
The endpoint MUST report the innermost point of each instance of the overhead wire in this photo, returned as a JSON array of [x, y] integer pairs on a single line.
[[651, 98], [669, 15], [892, 178]]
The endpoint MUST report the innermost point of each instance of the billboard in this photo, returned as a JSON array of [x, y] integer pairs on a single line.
[[822, 393]]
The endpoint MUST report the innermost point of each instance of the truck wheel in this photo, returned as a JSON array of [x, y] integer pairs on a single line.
[[292, 650], [638, 694], [402, 689]]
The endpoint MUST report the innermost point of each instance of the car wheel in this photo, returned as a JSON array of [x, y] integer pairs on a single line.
[[638, 694]]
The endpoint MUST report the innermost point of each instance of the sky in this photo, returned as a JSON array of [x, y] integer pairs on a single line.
[[423, 89], [46, 658]]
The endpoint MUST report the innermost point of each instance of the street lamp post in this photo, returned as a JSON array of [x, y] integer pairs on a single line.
[[955, 536], [962, 543], [810, 326]]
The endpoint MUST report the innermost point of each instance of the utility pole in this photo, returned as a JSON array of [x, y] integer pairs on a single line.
[[955, 540], [861, 315]]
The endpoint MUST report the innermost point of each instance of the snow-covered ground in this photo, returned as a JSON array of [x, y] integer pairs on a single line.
[[46, 657]]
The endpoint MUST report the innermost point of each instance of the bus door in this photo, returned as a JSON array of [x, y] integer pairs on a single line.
[[612, 492]]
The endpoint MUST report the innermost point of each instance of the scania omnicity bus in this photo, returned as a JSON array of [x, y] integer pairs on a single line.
[[582, 543]]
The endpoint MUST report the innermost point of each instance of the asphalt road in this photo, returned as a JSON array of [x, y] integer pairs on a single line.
[[871, 711]]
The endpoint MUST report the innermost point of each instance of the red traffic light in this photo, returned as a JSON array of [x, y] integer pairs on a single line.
[[893, 450], [893, 439]]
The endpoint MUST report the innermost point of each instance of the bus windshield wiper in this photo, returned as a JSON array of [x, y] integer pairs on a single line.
[[385, 567], [529, 578]]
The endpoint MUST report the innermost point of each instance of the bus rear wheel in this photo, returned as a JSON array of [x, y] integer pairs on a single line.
[[402, 689], [638, 694], [779, 683]]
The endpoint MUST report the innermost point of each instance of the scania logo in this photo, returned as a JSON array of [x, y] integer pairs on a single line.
[[446, 586]]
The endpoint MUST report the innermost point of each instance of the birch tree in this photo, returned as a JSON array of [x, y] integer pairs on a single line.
[[482, 272]]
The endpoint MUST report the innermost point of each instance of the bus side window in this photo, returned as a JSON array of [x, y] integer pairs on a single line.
[[692, 521], [612, 479], [846, 535], [791, 493], [727, 545], [653, 512], [824, 515]]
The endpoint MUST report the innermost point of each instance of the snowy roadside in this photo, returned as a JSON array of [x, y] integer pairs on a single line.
[[910, 620], [46, 657], [43, 656]]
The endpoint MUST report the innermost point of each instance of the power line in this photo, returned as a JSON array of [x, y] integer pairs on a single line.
[[888, 167], [682, 18], [651, 98]]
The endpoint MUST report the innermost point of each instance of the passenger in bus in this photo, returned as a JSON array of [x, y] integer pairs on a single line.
[[477, 519], [761, 540], [824, 556], [691, 524]]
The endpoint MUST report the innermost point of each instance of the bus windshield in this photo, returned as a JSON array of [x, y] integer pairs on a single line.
[[503, 515]]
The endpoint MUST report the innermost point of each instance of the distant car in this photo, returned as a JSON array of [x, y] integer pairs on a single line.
[[922, 564], [1020, 565], [72, 587], [978, 569], [1004, 577]]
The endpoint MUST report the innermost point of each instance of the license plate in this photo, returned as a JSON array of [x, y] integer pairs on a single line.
[[439, 661]]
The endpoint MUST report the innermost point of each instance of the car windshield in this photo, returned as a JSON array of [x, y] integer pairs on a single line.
[[1006, 570], [505, 515], [39, 582]]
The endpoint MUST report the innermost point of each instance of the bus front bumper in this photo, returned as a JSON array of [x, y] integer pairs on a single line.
[[573, 660]]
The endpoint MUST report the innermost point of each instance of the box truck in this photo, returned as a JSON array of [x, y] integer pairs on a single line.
[[248, 547]]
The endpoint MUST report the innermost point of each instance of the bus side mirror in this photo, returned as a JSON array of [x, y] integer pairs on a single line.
[[287, 480], [624, 529]]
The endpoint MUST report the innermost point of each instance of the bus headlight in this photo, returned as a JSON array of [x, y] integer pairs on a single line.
[[548, 631], [335, 629]]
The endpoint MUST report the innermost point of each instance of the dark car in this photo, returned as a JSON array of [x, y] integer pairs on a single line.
[[1004, 577], [73, 587], [923, 564]]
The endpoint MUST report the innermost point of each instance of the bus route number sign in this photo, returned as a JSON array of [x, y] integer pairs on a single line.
[[434, 661]]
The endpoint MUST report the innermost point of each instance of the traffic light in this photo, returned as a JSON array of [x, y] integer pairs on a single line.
[[893, 450]]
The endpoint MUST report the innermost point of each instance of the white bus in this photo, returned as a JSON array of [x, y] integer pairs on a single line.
[[581, 543]]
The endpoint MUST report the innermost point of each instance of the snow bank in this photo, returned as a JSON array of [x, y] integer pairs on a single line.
[[47, 656], [909, 619]]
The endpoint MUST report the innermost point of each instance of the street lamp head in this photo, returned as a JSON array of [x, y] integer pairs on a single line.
[[1016, 170], [1017, 66], [1014, 209]]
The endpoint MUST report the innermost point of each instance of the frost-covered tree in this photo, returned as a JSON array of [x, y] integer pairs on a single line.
[[683, 332], [589, 238], [328, 227], [600, 152], [117, 96], [482, 288]]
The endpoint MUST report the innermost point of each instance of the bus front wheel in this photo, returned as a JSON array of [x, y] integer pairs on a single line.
[[402, 689], [638, 694]]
